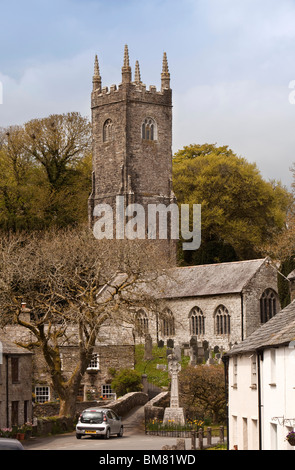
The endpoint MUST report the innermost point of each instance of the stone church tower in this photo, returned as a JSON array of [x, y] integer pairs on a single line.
[[132, 140]]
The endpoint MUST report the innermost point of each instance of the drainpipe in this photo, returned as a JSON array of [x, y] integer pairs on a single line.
[[7, 393], [259, 357], [242, 316], [225, 360]]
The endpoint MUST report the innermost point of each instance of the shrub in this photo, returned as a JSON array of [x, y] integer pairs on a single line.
[[126, 381]]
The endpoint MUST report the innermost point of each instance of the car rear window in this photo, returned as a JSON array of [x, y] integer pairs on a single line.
[[92, 417]]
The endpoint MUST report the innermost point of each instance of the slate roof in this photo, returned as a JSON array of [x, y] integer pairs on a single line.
[[8, 347], [278, 331], [210, 279]]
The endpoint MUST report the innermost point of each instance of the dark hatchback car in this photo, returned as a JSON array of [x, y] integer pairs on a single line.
[[10, 444], [99, 422]]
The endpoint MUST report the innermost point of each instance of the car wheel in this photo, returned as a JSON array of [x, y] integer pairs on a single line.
[[78, 436], [120, 434], [107, 434]]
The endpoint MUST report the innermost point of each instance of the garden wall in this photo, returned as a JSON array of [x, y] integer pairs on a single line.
[[48, 421]]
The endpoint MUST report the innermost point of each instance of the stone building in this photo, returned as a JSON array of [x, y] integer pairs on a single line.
[[132, 143], [219, 304], [15, 385], [111, 353], [200, 307]]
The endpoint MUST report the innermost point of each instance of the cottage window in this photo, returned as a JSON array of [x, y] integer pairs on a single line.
[[167, 323], [149, 129], [253, 371], [94, 363], [106, 391], [222, 321], [15, 369], [108, 130], [141, 323], [235, 371], [197, 322], [42, 394], [268, 305]]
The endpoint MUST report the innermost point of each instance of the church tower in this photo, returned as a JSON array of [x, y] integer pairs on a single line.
[[132, 140]]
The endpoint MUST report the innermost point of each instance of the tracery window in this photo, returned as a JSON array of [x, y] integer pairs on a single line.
[[141, 323], [197, 322], [268, 305], [149, 129], [108, 130], [222, 321], [167, 323]]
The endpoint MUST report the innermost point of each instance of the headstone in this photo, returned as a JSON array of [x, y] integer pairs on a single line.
[[148, 348], [177, 352], [170, 343]]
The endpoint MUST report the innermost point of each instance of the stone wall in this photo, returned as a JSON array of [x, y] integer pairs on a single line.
[[49, 423], [155, 408]]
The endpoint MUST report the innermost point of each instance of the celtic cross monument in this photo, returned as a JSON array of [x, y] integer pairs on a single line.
[[174, 413]]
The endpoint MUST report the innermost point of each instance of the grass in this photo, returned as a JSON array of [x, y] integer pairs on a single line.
[[158, 377]]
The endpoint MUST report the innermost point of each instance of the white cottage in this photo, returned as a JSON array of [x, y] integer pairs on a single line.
[[261, 386]]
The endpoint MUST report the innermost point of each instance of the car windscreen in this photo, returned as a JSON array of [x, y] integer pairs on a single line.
[[91, 417]]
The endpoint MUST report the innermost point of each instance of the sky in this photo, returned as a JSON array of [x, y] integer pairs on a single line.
[[232, 66]]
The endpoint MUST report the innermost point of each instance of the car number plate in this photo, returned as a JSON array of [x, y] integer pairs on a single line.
[[90, 432]]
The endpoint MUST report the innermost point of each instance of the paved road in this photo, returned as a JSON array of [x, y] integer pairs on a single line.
[[133, 439]]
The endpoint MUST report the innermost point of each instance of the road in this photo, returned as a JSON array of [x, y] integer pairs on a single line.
[[134, 438]]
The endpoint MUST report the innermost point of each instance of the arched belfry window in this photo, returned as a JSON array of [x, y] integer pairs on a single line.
[[197, 322], [108, 130], [149, 129], [222, 321], [268, 305]]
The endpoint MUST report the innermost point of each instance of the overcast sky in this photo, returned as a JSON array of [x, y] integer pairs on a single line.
[[231, 63]]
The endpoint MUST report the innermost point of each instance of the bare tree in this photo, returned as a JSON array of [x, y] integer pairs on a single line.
[[73, 283]]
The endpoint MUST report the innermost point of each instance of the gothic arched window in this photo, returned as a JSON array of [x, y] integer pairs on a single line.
[[268, 305], [167, 323], [197, 322], [149, 129], [141, 322], [222, 321], [108, 130]]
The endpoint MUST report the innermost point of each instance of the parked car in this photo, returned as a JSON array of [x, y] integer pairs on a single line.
[[7, 443], [99, 422]]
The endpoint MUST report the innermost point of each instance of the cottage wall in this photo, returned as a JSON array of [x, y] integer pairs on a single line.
[[15, 395]]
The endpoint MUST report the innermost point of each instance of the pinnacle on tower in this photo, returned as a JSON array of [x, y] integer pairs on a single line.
[[165, 75], [96, 76], [137, 78], [126, 69], [126, 56]]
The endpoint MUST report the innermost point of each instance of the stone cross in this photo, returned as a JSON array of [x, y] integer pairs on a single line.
[[174, 368], [174, 413]]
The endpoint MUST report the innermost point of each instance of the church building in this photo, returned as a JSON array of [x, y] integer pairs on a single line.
[[215, 305], [132, 157]]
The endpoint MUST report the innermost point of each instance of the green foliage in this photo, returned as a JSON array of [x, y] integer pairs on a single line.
[[45, 169], [240, 211], [126, 381]]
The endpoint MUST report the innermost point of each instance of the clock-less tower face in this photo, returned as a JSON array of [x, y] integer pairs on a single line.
[[132, 140]]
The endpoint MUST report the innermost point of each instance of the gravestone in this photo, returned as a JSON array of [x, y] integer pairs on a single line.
[[148, 348]]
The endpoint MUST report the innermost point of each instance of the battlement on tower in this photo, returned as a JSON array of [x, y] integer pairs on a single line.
[[132, 90]]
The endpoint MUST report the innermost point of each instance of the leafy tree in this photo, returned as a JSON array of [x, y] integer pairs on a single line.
[[240, 211], [202, 391], [45, 173]]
